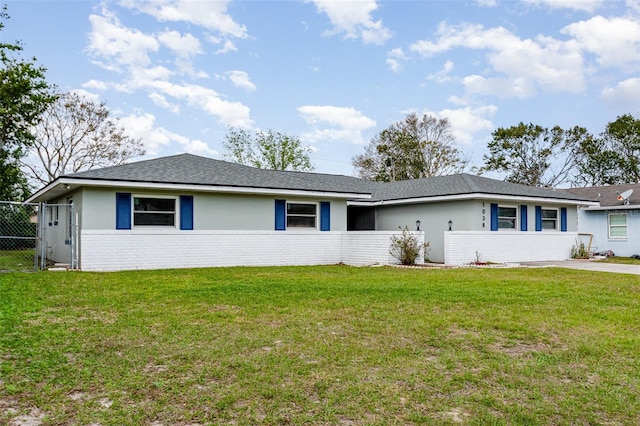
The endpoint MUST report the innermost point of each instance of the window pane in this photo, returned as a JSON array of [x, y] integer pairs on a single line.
[[309, 209], [549, 214], [618, 219], [618, 232], [506, 223], [548, 224], [154, 204], [301, 221], [154, 219], [507, 212]]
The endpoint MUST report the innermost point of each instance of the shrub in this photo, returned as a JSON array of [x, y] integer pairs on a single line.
[[579, 251], [406, 247]]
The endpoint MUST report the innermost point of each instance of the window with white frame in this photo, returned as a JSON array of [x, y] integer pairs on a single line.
[[507, 217], [617, 225], [151, 211], [301, 215], [549, 219]]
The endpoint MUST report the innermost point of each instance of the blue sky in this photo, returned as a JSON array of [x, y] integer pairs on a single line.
[[335, 73]]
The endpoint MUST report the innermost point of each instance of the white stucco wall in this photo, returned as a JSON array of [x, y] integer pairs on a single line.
[[596, 222], [463, 247], [111, 250]]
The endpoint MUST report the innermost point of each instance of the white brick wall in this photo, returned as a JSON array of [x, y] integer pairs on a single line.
[[148, 249], [504, 247]]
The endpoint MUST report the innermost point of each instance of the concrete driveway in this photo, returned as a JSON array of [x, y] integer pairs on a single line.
[[586, 265]]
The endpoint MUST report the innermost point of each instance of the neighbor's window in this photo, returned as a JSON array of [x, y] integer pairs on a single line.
[[550, 219], [617, 225], [154, 211], [301, 215], [507, 217]]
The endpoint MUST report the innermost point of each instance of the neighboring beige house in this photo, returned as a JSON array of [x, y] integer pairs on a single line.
[[191, 211]]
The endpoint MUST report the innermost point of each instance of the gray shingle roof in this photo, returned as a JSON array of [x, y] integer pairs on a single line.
[[196, 170], [463, 184], [608, 195]]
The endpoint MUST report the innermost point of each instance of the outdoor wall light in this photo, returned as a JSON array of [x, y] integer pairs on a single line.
[[450, 223], [417, 225], [66, 186]]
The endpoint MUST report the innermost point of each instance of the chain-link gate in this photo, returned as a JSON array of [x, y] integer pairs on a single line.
[[37, 236]]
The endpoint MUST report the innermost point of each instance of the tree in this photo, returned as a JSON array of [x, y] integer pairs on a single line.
[[24, 95], [622, 137], [74, 134], [534, 155], [267, 150], [612, 158], [414, 148]]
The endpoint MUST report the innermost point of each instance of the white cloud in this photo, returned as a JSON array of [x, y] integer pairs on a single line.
[[153, 138], [198, 147], [229, 113], [541, 63], [521, 88], [353, 18], [111, 42], [212, 15], [344, 123], [395, 58], [227, 47], [117, 44], [487, 3], [94, 97], [95, 84], [162, 102], [582, 5], [241, 79], [182, 46], [615, 41], [625, 96], [442, 76], [468, 121]]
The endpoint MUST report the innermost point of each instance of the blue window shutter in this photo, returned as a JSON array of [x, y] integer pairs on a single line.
[[325, 216], [523, 217], [123, 210], [494, 217], [538, 218], [563, 219], [186, 212], [281, 206]]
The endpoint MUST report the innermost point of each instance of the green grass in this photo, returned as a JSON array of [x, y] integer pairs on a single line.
[[620, 260], [320, 345], [17, 260]]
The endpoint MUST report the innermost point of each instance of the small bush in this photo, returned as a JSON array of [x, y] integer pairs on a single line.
[[579, 251], [406, 247]]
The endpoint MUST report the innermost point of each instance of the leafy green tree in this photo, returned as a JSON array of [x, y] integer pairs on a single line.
[[413, 148], [622, 137], [613, 157], [74, 134], [267, 150], [534, 155], [24, 95]]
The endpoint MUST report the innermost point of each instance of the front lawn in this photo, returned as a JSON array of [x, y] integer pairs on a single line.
[[320, 345], [620, 260]]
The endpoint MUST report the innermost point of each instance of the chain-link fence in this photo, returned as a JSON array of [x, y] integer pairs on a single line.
[[18, 237], [37, 236]]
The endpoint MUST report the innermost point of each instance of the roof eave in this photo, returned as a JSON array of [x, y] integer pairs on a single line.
[[473, 196], [64, 184], [598, 207]]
